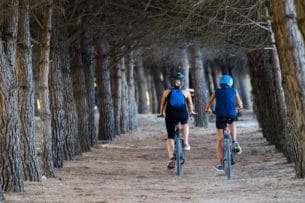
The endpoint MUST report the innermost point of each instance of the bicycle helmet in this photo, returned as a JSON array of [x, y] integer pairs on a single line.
[[226, 80], [180, 76], [176, 80]]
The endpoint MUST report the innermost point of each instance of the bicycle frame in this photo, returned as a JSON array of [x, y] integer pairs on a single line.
[[227, 153], [179, 151]]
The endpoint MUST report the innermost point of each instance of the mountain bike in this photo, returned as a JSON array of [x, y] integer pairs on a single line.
[[179, 154], [228, 155]]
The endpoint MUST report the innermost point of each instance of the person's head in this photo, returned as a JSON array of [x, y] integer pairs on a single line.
[[177, 80], [226, 81]]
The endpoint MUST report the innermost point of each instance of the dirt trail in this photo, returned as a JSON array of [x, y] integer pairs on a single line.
[[132, 168]]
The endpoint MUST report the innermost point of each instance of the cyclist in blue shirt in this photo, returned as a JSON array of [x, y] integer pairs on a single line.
[[228, 104]]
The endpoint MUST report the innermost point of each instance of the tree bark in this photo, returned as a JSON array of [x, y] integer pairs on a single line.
[[124, 115], [200, 88], [106, 119], [80, 95], [132, 104], [31, 166], [88, 62], [142, 87], [71, 146], [56, 95], [43, 86], [11, 170], [116, 89], [290, 44]]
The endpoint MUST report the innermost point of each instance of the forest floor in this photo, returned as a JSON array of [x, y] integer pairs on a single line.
[[132, 168]]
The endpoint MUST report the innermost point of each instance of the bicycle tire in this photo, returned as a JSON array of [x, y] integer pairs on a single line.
[[227, 158], [178, 149]]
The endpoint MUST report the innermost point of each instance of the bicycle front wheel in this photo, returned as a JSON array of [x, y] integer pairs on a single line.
[[179, 155], [227, 158]]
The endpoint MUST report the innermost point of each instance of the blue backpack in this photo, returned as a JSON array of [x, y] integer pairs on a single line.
[[176, 98]]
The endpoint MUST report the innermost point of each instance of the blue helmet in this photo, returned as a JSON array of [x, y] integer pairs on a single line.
[[180, 76], [226, 80]]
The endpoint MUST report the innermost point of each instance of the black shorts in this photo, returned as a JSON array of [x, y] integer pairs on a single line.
[[221, 121], [171, 120]]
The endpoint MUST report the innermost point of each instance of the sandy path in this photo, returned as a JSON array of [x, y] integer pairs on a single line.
[[132, 168]]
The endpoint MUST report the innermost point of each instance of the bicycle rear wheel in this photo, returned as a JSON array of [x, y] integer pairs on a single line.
[[227, 158], [179, 156]]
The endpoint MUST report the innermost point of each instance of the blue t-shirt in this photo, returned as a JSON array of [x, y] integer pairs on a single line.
[[225, 102]]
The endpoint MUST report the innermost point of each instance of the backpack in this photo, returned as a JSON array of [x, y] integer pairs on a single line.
[[176, 98]]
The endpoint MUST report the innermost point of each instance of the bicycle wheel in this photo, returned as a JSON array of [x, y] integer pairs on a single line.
[[227, 158], [178, 149]]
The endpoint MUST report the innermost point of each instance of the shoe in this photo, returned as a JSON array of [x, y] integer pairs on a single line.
[[171, 163], [236, 147], [187, 147], [218, 167]]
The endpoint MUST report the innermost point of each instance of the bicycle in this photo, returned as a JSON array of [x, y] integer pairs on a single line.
[[179, 154], [228, 155]]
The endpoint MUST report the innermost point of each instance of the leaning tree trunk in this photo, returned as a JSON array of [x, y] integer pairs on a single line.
[[31, 166], [72, 142], [11, 170], [43, 86], [87, 54], [106, 119], [290, 44], [132, 104], [200, 88], [80, 95], [142, 87]]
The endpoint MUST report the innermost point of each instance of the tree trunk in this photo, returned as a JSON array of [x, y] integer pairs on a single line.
[[88, 62], [1, 195], [156, 74], [153, 100], [56, 96], [186, 67], [116, 89], [106, 119], [124, 115], [142, 87], [80, 95], [11, 170], [200, 88], [132, 104], [72, 142], [43, 86], [290, 44], [31, 166]]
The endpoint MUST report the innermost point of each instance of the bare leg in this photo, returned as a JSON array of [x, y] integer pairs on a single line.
[[170, 148], [232, 128], [185, 133], [219, 149]]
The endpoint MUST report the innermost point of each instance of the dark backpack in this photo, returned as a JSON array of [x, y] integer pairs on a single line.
[[176, 98]]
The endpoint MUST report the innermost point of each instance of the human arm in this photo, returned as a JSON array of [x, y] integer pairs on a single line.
[[163, 102], [190, 103], [239, 103], [209, 104]]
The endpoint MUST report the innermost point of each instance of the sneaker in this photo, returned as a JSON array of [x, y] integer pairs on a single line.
[[218, 167], [187, 147], [236, 147], [171, 163]]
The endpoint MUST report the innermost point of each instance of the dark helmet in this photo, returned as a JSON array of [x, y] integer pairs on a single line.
[[180, 76], [226, 80]]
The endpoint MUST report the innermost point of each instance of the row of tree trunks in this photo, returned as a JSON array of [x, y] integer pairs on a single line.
[[11, 170], [291, 49], [26, 102]]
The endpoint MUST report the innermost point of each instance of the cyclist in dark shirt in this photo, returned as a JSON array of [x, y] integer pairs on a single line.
[[174, 115], [228, 103]]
